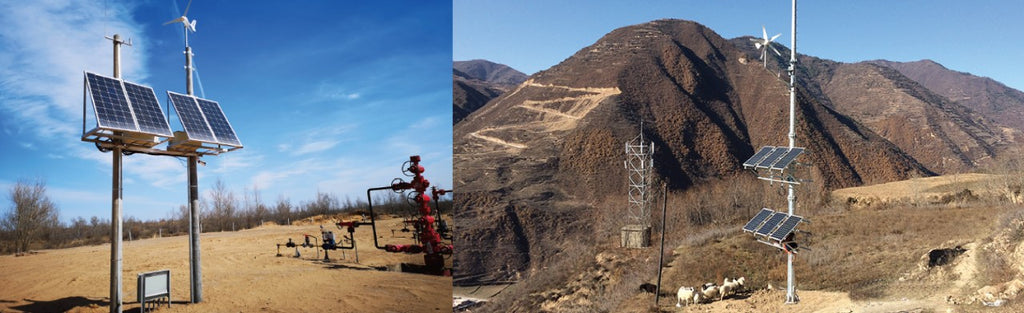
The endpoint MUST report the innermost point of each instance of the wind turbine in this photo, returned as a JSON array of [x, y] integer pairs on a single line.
[[764, 44], [189, 26]]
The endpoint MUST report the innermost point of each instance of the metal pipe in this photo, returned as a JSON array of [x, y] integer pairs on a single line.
[[373, 221], [196, 275]]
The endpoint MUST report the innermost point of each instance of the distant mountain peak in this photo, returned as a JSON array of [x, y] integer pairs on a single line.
[[490, 72]]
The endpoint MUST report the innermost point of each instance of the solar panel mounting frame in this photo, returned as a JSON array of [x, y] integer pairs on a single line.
[[186, 141], [133, 139]]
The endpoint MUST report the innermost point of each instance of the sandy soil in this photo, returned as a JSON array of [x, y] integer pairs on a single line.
[[241, 273]]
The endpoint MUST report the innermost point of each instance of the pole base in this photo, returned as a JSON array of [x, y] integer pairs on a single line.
[[792, 299]]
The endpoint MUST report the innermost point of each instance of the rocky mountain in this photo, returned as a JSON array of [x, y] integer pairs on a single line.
[[984, 95], [477, 81], [532, 163], [943, 135]]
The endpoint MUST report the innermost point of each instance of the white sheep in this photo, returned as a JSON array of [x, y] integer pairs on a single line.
[[730, 287], [684, 295], [710, 293], [724, 291]]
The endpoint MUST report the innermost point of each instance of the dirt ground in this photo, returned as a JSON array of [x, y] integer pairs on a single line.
[[241, 273]]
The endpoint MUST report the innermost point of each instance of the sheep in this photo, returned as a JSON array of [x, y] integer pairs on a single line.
[[710, 293], [684, 295], [730, 287], [725, 290]]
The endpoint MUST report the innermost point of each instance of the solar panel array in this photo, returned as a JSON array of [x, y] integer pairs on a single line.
[[203, 120], [785, 228], [771, 224], [787, 158], [757, 220], [218, 122], [774, 158], [126, 106], [147, 110], [752, 161]]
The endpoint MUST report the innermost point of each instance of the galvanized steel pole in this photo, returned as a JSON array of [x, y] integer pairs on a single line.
[[791, 296]]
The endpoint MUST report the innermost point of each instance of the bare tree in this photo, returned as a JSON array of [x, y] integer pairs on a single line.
[[31, 213], [224, 205], [283, 210]]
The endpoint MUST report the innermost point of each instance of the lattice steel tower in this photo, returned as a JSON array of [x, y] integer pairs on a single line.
[[640, 164]]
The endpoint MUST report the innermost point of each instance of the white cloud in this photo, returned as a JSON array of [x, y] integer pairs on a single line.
[[45, 47], [315, 146], [328, 92]]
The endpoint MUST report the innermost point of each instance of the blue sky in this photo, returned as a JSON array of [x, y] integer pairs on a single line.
[[979, 37], [325, 95]]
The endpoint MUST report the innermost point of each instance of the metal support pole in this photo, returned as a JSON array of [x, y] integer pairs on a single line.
[[194, 260], [188, 68], [791, 297], [115, 233], [661, 257]]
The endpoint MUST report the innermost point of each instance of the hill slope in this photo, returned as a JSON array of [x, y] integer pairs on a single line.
[[476, 82]]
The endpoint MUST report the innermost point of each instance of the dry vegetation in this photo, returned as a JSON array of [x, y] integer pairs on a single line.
[[860, 255], [221, 210]]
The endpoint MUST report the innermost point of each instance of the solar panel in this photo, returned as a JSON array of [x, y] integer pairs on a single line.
[[752, 161], [218, 122], [785, 228], [772, 157], [770, 224], [109, 103], [148, 113], [787, 159], [191, 117], [757, 220]]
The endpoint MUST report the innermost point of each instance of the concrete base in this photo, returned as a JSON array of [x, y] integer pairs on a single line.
[[636, 236]]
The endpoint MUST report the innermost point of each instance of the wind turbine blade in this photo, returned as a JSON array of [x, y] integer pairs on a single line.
[[180, 19], [776, 51], [773, 37], [186, 8], [764, 33]]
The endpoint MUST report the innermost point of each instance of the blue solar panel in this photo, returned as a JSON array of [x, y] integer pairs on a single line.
[[757, 220], [785, 228], [218, 122], [772, 157], [191, 117], [770, 224], [788, 158], [110, 103], [753, 160], [148, 113]]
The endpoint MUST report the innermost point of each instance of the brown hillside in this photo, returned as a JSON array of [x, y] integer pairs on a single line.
[[533, 163], [984, 95], [476, 82], [944, 136]]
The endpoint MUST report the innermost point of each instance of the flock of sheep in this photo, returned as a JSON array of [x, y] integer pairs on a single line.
[[708, 292]]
